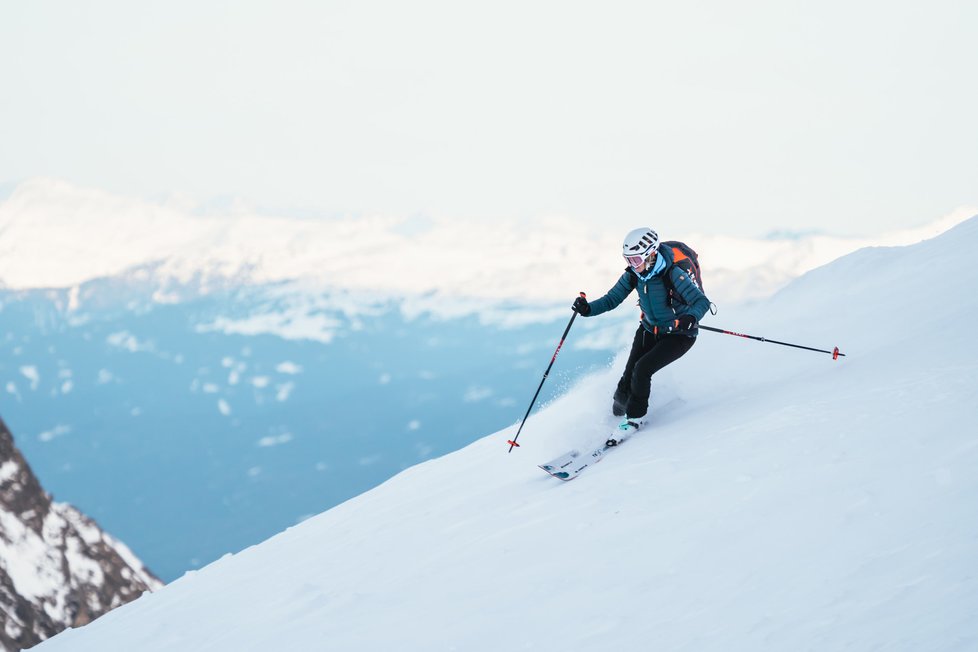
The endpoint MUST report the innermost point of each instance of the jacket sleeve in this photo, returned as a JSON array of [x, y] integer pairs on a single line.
[[699, 305], [613, 298]]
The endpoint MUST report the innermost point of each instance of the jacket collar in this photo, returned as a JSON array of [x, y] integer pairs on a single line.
[[657, 267]]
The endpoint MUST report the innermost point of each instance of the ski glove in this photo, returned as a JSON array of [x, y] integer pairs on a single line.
[[681, 324], [581, 307]]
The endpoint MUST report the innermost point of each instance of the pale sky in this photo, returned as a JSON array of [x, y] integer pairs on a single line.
[[733, 117]]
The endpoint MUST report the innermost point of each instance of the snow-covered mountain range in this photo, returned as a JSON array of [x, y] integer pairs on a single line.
[[58, 569], [55, 235], [778, 500]]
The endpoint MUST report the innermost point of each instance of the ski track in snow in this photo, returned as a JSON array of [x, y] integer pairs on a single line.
[[787, 502]]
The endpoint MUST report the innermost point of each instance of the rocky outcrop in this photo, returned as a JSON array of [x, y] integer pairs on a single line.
[[58, 569]]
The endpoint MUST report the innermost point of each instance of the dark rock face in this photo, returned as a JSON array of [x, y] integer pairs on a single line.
[[58, 569]]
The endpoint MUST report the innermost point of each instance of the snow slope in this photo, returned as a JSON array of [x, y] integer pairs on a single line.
[[779, 501]]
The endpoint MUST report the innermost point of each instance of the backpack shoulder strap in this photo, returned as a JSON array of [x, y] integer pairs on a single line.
[[667, 275], [632, 277]]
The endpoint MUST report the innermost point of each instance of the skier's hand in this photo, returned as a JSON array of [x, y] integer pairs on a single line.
[[581, 306], [681, 324]]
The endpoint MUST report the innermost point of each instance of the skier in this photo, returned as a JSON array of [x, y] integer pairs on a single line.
[[668, 328]]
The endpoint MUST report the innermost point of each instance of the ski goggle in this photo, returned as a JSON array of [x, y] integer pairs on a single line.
[[638, 261]]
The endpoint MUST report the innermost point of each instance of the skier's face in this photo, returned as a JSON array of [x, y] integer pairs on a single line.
[[640, 263]]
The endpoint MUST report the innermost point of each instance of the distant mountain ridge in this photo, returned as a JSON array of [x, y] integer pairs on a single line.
[[54, 234], [58, 569]]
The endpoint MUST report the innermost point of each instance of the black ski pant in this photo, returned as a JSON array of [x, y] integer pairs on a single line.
[[649, 354]]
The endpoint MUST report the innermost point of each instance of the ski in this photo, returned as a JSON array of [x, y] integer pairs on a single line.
[[557, 467], [571, 464]]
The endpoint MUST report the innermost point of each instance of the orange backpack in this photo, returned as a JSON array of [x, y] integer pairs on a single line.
[[686, 259]]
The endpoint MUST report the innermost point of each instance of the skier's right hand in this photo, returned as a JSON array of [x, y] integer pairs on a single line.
[[581, 307]]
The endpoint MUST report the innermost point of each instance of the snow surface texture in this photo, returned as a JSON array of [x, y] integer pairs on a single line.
[[779, 501], [53, 234]]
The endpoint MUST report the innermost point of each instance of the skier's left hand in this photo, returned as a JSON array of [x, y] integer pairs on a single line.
[[684, 323]]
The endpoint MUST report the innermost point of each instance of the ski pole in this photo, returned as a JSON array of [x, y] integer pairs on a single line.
[[512, 442], [834, 352]]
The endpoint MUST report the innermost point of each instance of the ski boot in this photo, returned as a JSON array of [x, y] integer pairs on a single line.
[[624, 430]]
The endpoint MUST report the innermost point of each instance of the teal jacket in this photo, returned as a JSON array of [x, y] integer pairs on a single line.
[[653, 297]]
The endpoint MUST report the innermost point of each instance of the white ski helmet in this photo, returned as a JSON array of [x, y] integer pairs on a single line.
[[640, 245]]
